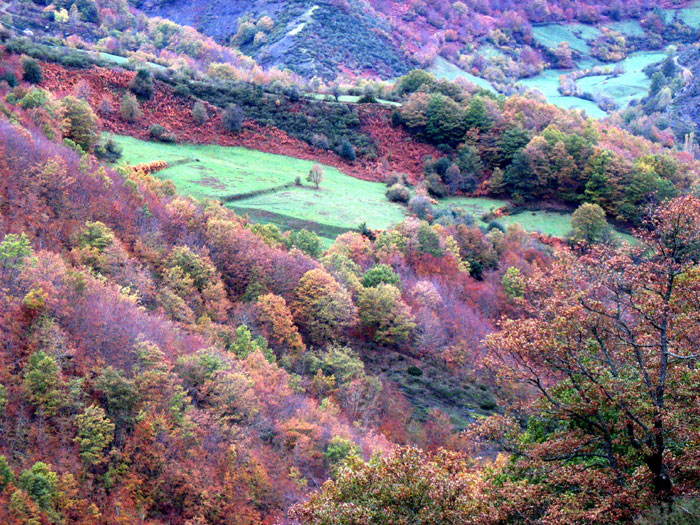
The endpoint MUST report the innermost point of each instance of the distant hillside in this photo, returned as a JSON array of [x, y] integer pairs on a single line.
[[310, 38]]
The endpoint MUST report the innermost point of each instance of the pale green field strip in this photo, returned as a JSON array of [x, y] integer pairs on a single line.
[[633, 84], [441, 68], [577, 35], [547, 83], [546, 222], [351, 99]]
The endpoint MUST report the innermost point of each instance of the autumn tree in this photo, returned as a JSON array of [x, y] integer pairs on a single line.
[[199, 113], [384, 313], [232, 119], [119, 397], [40, 483], [610, 352], [347, 151], [380, 274], [14, 251], [588, 224], [322, 307], [338, 450], [31, 71], [315, 175], [142, 84], [513, 282], [129, 108], [44, 383], [401, 487], [276, 323], [307, 241], [80, 123], [95, 434], [6, 474]]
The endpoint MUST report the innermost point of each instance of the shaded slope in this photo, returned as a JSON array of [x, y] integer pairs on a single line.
[[310, 38]]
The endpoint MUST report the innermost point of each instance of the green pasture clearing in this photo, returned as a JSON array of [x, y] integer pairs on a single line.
[[690, 16], [547, 83], [341, 201], [549, 223], [441, 68], [556, 224], [546, 222], [490, 51], [341, 204], [477, 207], [209, 171], [114, 58], [632, 84], [350, 99], [627, 28], [577, 35]]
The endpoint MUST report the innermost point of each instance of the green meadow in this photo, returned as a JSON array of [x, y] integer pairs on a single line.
[[340, 204], [261, 186]]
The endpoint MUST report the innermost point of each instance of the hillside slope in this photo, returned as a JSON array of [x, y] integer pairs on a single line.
[[310, 38]]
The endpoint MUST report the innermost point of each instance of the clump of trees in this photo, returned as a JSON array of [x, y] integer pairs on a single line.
[[31, 71], [81, 125], [537, 152], [347, 151], [398, 193], [588, 224], [199, 113]]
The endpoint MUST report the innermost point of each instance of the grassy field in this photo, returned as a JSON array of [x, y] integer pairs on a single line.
[[547, 83], [631, 85], [546, 222], [208, 171], [441, 68], [341, 204], [352, 99], [690, 16], [627, 28], [477, 207], [551, 223], [577, 35]]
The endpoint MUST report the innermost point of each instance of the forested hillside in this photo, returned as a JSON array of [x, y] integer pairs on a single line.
[[230, 294]]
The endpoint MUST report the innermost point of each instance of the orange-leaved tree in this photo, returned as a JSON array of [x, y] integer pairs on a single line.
[[608, 356]]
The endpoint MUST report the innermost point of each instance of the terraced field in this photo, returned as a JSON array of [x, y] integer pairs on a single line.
[[577, 35], [633, 84]]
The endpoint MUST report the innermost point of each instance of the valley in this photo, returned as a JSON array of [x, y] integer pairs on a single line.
[[349, 262]]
